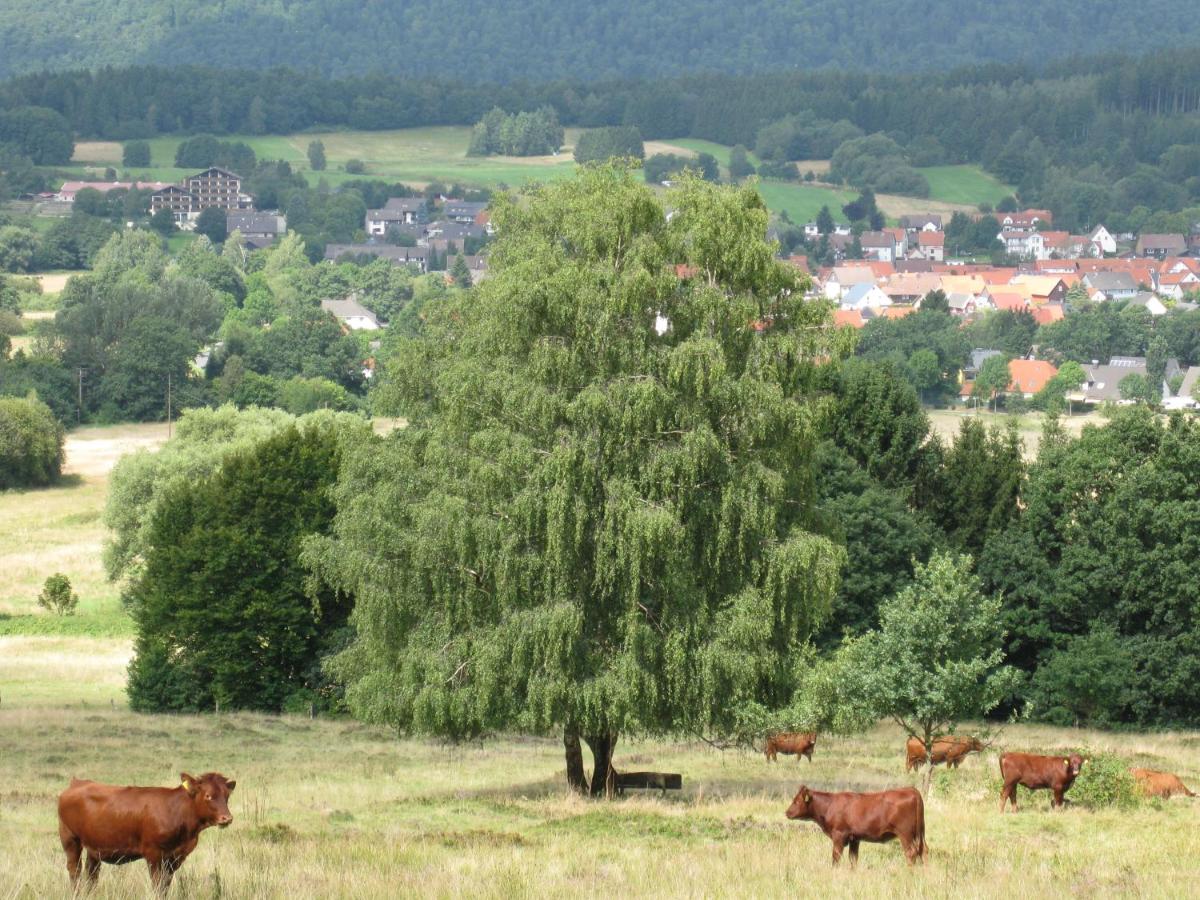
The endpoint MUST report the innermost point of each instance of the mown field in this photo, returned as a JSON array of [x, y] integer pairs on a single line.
[[422, 155], [947, 422], [341, 809]]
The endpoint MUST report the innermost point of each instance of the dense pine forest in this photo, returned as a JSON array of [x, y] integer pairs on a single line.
[[613, 38]]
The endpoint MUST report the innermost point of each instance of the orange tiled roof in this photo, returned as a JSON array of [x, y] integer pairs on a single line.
[[1029, 375]]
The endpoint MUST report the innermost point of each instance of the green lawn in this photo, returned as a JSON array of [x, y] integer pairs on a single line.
[[803, 201], [720, 151], [969, 185]]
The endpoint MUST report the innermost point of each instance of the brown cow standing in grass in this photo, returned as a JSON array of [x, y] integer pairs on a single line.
[[946, 749], [1160, 784], [1057, 773], [848, 818], [800, 744], [122, 824]]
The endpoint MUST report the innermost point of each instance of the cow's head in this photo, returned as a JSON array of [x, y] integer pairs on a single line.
[[976, 745], [801, 807], [1074, 763], [210, 797]]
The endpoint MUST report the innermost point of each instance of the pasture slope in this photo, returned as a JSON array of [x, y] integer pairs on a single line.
[[335, 808], [421, 155]]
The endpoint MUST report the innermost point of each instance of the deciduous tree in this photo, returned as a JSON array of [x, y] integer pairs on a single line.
[[592, 523]]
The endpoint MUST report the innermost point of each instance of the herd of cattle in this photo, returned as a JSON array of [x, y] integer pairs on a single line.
[[162, 825], [848, 818]]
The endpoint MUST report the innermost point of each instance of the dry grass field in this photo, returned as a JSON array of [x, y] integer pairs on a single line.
[[334, 808], [338, 809], [946, 423]]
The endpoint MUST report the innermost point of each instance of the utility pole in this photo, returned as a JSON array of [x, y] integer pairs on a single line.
[[79, 406]]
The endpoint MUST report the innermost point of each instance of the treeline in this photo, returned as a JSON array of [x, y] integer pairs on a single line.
[[540, 39], [1111, 139]]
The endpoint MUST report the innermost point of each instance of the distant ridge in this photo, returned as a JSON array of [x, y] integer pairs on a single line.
[[508, 40]]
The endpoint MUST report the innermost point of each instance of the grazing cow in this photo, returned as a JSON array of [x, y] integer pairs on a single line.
[[848, 818], [1057, 773], [800, 744], [946, 749], [1160, 784], [121, 824]]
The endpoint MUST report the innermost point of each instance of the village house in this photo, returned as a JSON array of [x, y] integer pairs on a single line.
[[1025, 220], [1104, 381], [398, 213], [256, 228], [416, 257], [213, 188], [932, 245], [842, 278], [865, 296], [880, 245], [1147, 301], [1028, 376], [1185, 397], [1023, 243], [464, 211], [1102, 241], [921, 222], [1110, 285], [66, 193], [351, 314], [1160, 246]]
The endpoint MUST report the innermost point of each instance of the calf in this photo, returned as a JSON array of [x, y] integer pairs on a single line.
[[946, 749], [121, 824], [800, 744], [848, 818], [1057, 773], [1159, 784]]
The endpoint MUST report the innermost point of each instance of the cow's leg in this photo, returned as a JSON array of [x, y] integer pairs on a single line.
[[853, 845], [1008, 792], [839, 841], [159, 878], [912, 845], [93, 868], [1058, 798], [73, 847]]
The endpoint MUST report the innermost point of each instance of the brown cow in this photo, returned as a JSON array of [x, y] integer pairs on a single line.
[[947, 749], [121, 824], [1160, 784], [800, 744], [848, 818], [1057, 773]]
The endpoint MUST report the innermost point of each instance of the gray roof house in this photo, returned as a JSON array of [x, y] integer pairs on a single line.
[[258, 226], [1113, 285], [462, 210], [399, 256], [1104, 382], [1161, 246], [978, 357], [352, 314]]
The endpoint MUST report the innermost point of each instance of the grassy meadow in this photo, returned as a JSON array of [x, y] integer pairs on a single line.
[[422, 155], [335, 808]]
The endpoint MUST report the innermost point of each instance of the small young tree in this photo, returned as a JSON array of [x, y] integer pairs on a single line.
[[936, 657], [316, 156], [163, 222], [992, 379], [461, 272], [739, 163], [57, 596]]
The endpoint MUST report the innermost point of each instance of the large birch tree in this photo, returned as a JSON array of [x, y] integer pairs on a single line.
[[600, 518]]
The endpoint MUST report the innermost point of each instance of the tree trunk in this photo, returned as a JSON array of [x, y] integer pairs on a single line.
[[602, 747], [576, 778], [928, 762]]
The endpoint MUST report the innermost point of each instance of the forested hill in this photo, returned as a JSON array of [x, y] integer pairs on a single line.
[[505, 40]]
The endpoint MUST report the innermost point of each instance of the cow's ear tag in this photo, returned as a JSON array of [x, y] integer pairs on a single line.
[[187, 785], [1067, 763]]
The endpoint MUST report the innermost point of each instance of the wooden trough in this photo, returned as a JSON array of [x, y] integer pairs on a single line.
[[662, 781]]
